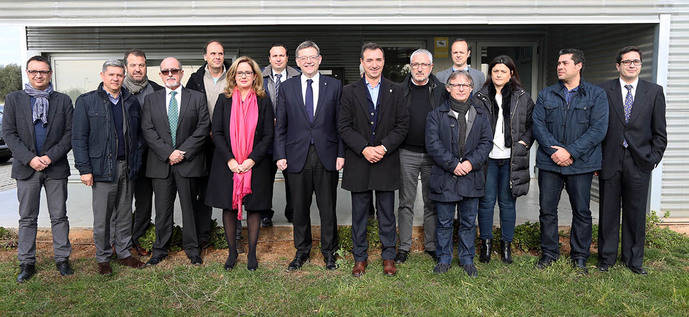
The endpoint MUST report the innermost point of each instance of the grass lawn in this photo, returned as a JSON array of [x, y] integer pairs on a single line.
[[176, 288]]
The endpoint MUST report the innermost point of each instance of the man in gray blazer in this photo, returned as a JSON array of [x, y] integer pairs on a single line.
[[460, 51], [175, 125], [37, 127]]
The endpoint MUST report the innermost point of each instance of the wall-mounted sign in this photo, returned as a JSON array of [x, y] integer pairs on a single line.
[[440, 47]]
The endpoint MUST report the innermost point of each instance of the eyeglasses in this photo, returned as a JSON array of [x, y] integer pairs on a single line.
[[244, 74], [168, 72], [420, 65], [463, 86], [308, 58], [38, 72], [628, 62]]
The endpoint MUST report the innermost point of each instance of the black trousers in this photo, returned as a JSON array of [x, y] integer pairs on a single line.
[[627, 189], [385, 211], [143, 203], [289, 210], [203, 212], [314, 178], [165, 190]]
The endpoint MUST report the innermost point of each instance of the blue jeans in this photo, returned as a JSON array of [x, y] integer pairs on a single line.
[[578, 188], [468, 208], [497, 187]]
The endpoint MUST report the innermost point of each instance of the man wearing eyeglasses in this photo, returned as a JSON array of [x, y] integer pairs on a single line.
[[632, 148], [273, 76], [570, 120], [105, 138], [210, 79], [309, 150], [422, 92], [175, 125], [373, 123], [37, 127]]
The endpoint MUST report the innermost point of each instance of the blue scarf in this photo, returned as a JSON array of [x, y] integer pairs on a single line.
[[40, 107]]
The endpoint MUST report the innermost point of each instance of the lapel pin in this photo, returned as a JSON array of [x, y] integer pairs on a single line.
[[390, 90]]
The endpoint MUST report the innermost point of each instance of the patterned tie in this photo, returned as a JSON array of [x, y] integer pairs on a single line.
[[628, 101], [277, 83], [309, 99], [172, 114]]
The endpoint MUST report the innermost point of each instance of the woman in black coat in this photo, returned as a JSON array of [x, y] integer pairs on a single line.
[[507, 169], [240, 174]]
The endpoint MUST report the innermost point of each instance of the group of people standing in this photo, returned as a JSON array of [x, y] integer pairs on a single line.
[[219, 141]]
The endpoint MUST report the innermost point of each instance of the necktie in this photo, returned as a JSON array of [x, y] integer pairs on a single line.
[[277, 83], [308, 102], [172, 114], [628, 101]]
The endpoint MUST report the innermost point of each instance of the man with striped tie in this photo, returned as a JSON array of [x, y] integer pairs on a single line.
[[175, 124], [634, 145]]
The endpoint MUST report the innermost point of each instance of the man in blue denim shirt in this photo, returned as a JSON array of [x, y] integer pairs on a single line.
[[570, 120]]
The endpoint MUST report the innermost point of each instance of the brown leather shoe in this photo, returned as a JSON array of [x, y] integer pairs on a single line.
[[359, 268], [140, 250], [389, 267], [131, 261], [104, 268]]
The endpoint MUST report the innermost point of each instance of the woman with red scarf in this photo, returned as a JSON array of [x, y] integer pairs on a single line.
[[240, 172]]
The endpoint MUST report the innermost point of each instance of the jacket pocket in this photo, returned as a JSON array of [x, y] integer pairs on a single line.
[[437, 182]]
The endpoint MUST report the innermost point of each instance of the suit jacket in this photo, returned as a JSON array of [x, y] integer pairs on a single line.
[[192, 130], [220, 180], [269, 84], [294, 131], [18, 131], [354, 126], [645, 133]]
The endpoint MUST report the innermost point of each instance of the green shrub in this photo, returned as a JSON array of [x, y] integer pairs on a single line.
[[147, 240], [344, 234], [662, 237], [218, 240], [8, 239], [527, 236]]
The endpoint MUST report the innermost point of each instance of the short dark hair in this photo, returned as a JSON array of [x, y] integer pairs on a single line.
[[39, 58], [205, 47], [135, 52], [577, 56], [278, 44], [628, 49], [507, 61], [370, 46], [459, 39]]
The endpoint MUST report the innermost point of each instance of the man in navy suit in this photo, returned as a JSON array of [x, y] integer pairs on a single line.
[[633, 146], [306, 138]]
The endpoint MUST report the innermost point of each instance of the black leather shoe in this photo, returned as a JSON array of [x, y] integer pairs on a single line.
[[603, 267], [433, 255], [230, 262], [441, 268], [401, 256], [330, 262], [64, 268], [637, 270], [154, 260], [266, 222], [506, 252], [196, 260], [484, 255], [544, 262], [580, 266], [26, 272], [470, 269], [298, 262]]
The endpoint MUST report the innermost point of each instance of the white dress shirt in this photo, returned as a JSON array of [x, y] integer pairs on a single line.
[[178, 97], [499, 150], [314, 87], [624, 90]]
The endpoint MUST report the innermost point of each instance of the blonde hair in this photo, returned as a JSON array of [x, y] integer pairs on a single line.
[[257, 85]]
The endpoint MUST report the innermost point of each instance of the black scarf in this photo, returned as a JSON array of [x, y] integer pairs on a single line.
[[461, 109], [506, 93]]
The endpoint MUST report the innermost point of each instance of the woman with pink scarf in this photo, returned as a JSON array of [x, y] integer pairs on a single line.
[[240, 172]]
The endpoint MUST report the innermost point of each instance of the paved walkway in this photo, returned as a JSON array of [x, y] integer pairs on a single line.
[[80, 214]]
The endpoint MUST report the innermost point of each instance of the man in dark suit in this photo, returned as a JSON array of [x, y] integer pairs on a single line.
[[37, 127], [633, 146], [273, 76], [373, 122], [307, 117], [175, 125]]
